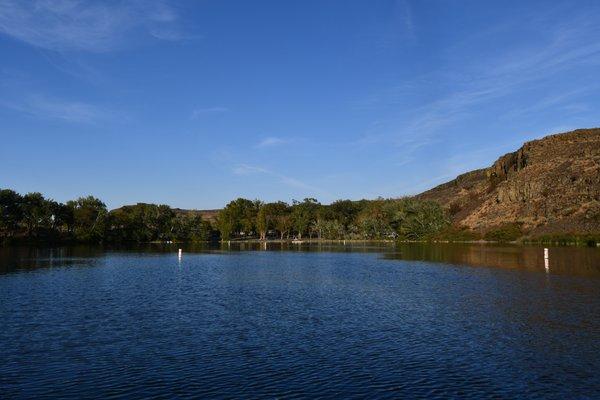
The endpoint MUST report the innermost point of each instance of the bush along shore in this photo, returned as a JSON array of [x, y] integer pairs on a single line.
[[32, 218]]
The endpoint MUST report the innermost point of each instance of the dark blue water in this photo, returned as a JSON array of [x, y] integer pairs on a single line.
[[287, 324]]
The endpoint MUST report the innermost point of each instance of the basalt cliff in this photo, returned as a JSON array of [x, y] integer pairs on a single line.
[[548, 186]]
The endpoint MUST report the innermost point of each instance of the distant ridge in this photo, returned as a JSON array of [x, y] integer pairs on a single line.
[[548, 186], [208, 215]]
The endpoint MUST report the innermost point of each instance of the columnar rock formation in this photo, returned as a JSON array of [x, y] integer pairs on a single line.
[[550, 185]]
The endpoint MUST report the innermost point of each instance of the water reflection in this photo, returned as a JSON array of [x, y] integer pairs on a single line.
[[583, 261], [31, 258]]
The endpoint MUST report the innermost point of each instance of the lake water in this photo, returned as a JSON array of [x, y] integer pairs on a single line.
[[286, 321]]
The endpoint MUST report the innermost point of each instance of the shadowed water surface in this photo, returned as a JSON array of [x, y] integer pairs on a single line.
[[300, 321]]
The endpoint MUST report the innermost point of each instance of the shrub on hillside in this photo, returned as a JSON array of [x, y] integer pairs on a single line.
[[455, 233], [504, 233]]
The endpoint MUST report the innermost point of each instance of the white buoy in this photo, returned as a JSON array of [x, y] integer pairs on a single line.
[[546, 260], [180, 253], [546, 253]]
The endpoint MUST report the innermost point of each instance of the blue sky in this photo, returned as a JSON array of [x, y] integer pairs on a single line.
[[194, 103]]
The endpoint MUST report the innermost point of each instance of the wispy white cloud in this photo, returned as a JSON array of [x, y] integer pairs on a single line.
[[246, 169], [197, 113], [466, 87], [565, 102], [53, 108], [403, 13], [271, 141], [468, 158], [82, 25], [397, 29], [173, 34]]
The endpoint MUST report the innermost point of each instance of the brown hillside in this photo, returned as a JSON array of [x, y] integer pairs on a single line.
[[550, 185], [208, 215]]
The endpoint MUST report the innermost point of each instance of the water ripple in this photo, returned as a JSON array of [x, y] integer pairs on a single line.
[[295, 325]]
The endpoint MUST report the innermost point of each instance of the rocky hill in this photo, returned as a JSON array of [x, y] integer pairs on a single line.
[[548, 186], [209, 215]]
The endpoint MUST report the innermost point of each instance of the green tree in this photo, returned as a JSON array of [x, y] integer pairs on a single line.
[[181, 227], [118, 226], [36, 212], [333, 229], [304, 214], [284, 224], [373, 222], [414, 219], [345, 212], [11, 212], [163, 222], [142, 222], [225, 224], [199, 229], [62, 217], [268, 215], [262, 221], [89, 215], [238, 218]]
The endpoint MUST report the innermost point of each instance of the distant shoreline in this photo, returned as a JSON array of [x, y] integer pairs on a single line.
[[568, 240]]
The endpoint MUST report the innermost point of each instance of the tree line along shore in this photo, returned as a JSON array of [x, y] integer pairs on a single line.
[[34, 218]]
